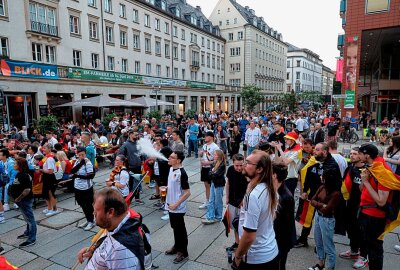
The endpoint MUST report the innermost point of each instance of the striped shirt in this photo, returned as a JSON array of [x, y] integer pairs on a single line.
[[84, 184], [112, 255]]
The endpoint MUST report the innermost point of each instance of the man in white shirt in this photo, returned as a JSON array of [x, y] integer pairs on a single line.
[[340, 160], [51, 140], [252, 137]]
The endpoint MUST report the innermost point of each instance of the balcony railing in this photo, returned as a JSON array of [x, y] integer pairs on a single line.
[[340, 42], [195, 64], [42, 28], [343, 6]]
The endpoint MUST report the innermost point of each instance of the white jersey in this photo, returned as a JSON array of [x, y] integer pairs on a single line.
[[178, 181], [208, 152], [341, 161], [84, 184]]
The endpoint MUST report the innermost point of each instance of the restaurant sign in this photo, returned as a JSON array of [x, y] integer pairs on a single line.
[[98, 75]]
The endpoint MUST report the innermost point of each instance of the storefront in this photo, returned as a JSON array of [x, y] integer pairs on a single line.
[[64, 114], [19, 109]]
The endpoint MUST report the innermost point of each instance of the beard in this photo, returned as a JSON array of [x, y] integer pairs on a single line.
[[320, 158], [248, 175], [103, 223]]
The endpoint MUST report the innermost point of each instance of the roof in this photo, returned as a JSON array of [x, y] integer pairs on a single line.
[[293, 48], [249, 15]]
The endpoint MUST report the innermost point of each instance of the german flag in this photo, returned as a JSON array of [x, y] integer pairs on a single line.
[[346, 186], [382, 172], [305, 211], [5, 265]]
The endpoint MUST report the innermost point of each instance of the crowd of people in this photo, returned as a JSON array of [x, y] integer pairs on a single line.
[[260, 161]]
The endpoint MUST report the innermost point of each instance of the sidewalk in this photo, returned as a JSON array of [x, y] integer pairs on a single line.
[[59, 240]]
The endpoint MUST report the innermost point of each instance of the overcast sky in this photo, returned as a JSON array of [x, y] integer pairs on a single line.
[[311, 24]]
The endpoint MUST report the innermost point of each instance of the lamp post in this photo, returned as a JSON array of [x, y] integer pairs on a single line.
[[156, 91]]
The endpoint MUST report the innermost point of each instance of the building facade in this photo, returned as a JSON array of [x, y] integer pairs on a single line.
[[370, 51], [126, 49], [303, 70], [254, 52], [328, 77]]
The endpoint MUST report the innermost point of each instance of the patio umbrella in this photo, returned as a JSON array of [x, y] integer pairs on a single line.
[[149, 102], [102, 101]]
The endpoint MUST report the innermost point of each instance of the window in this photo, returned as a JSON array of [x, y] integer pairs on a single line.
[[40, 14], [137, 67], [175, 52], [227, 22], [230, 36], [240, 35], [208, 60], [178, 12], [288, 64], [148, 69], [183, 34], [203, 59], [183, 74], [124, 65], [167, 71], [77, 58], [135, 16], [107, 6], [208, 44], [193, 38], [122, 10], [158, 48], [203, 42], [92, 3], [157, 24], [74, 24], [136, 41], [193, 20], [147, 45], [93, 30], [175, 75], [50, 54], [109, 34], [147, 20], [158, 70], [297, 75], [123, 38], [2, 8], [222, 63], [235, 21], [213, 62], [235, 51], [175, 31], [195, 59], [4, 46], [298, 63], [110, 63], [95, 60], [167, 50], [234, 82], [218, 48], [183, 54], [37, 52], [166, 28], [220, 23], [163, 5], [213, 46]]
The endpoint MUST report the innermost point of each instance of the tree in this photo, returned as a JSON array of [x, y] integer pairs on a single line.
[[47, 124], [251, 96], [289, 100]]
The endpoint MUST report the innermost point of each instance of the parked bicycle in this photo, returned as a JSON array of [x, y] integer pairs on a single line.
[[349, 135]]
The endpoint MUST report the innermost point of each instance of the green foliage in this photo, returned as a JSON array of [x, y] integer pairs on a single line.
[[251, 96], [190, 113], [288, 100], [47, 124], [311, 97], [107, 119], [155, 114], [170, 112]]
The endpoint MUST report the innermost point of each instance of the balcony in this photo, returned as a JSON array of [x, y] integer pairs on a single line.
[[45, 29], [343, 23], [343, 6], [340, 42], [195, 65]]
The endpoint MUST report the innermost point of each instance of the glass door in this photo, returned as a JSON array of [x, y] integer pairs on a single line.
[[19, 110]]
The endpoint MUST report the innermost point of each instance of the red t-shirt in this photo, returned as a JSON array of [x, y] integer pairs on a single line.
[[366, 199], [68, 167]]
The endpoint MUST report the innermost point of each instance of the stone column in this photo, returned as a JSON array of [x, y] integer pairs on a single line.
[[177, 103], [207, 103]]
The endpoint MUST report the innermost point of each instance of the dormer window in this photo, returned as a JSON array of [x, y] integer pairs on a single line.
[[193, 19], [163, 5], [150, 1], [201, 23], [255, 21], [178, 12]]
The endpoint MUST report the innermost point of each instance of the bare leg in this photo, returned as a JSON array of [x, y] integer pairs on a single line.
[[207, 186]]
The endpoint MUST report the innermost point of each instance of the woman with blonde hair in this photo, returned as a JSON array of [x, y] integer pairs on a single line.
[[217, 177], [65, 164]]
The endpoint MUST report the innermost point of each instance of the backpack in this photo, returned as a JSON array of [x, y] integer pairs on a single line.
[[59, 171]]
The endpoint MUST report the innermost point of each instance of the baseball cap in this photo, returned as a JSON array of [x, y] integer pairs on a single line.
[[369, 149], [292, 136], [210, 134]]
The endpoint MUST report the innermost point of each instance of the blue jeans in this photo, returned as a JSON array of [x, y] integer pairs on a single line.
[[215, 204], [323, 234], [250, 149], [193, 147], [25, 206]]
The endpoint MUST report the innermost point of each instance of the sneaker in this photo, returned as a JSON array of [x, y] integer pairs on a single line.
[[165, 212], [15, 206], [139, 202], [316, 267], [158, 204], [152, 184], [180, 258], [45, 211], [349, 255], [206, 221], [27, 244], [360, 263], [22, 236], [52, 213], [6, 207], [2, 251], [89, 226], [397, 248], [233, 247], [171, 251], [300, 244], [203, 206], [165, 217], [2, 220], [83, 224]]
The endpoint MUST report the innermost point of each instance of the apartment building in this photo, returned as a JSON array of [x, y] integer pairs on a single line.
[[54, 52], [328, 77], [255, 53]]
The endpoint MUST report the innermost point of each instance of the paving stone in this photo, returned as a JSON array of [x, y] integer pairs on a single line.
[[194, 211], [11, 237], [11, 214], [67, 257], [165, 262], [11, 224], [38, 263], [19, 257], [154, 222], [191, 265], [68, 204], [61, 220], [144, 210], [56, 267]]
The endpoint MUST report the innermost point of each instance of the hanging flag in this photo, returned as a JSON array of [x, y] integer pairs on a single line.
[[227, 222]]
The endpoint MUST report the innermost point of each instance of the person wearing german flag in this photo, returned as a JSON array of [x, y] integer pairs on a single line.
[[377, 183], [352, 194]]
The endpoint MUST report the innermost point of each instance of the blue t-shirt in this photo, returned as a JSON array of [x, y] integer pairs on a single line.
[[90, 153], [193, 128]]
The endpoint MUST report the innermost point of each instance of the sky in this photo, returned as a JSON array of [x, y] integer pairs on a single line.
[[311, 24]]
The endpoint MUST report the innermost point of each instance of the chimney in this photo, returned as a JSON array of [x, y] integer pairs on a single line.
[[247, 8], [198, 8], [252, 12]]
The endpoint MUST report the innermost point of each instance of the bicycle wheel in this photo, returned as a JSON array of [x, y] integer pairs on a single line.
[[353, 138]]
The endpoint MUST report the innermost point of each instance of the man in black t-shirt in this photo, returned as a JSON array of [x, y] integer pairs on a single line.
[[235, 186], [278, 135]]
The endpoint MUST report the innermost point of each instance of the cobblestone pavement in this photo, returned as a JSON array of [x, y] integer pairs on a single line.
[[59, 239]]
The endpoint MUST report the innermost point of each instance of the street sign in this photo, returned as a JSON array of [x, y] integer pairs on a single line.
[[339, 96]]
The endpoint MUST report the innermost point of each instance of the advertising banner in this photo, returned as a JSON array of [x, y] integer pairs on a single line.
[[339, 70], [200, 85], [351, 72], [11, 68], [163, 82], [98, 75], [377, 6], [349, 99]]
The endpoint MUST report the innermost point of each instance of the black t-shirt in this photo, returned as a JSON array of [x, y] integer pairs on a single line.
[[237, 186], [355, 195], [332, 128], [21, 182], [278, 138]]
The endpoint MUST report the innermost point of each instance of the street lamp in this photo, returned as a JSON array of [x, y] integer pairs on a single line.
[[157, 90]]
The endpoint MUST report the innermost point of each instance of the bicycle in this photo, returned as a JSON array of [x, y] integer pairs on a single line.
[[349, 136]]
